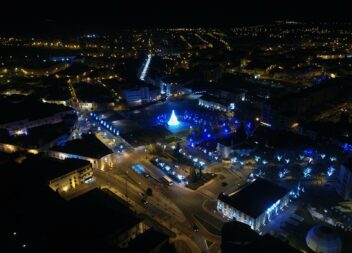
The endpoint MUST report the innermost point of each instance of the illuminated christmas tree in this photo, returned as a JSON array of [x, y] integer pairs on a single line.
[[173, 121]]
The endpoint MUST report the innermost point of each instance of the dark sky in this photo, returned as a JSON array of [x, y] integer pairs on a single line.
[[64, 15]]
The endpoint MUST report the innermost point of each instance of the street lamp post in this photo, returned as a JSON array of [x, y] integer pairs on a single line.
[[126, 193]]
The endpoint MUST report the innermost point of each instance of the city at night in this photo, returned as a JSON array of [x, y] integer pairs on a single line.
[[175, 126]]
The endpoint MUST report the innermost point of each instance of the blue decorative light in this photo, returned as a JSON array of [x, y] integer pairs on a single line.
[[307, 172], [347, 147], [332, 158], [308, 152], [283, 173], [331, 171]]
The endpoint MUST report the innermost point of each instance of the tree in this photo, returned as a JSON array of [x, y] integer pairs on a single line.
[[177, 148], [200, 173], [149, 192], [241, 133], [344, 118], [193, 175]]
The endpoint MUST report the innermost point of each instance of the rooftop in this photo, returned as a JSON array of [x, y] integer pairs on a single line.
[[51, 168], [255, 198], [147, 241], [16, 108], [88, 146], [214, 99], [239, 237], [37, 137], [133, 84], [44, 221], [110, 215], [75, 69], [93, 93]]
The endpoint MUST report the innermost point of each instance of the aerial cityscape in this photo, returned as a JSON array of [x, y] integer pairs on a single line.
[[195, 133]]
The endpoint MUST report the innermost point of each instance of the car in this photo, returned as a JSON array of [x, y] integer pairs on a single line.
[[146, 175], [195, 228]]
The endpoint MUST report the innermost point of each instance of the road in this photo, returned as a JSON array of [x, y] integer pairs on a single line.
[[176, 207]]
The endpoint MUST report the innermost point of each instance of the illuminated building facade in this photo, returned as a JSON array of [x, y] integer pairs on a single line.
[[88, 148], [137, 93], [21, 113], [75, 173], [19, 127], [215, 103], [255, 205]]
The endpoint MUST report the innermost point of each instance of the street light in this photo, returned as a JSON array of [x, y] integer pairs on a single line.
[[126, 193]]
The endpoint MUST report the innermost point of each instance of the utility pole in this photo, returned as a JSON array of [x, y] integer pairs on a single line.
[[126, 193]]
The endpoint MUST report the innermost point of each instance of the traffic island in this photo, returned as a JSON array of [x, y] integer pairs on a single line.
[[196, 181]]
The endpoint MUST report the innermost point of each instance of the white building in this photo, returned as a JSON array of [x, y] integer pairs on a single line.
[[88, 148], [215, 103], [255, 205], [20, 114], [74, 173]]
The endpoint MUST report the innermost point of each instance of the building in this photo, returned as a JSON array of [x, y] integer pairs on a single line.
[[255, 204], [151, 241], [284, 111], [93, 96], [322, 239], [225, 147], [138, 92], [71, 173], [271, 116], [216, 103], [61, 175], [37, 219], [20, 113], [240, 238], [172, 85], [88, 148], [210, 72], [112, 218], [37, 138], [41, 68], [344, 180], [136, 95]]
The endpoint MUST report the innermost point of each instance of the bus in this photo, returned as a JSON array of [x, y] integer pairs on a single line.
[[167, 180], [138, 168]]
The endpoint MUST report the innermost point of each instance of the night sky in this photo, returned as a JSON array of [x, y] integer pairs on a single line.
[[109, 15]]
